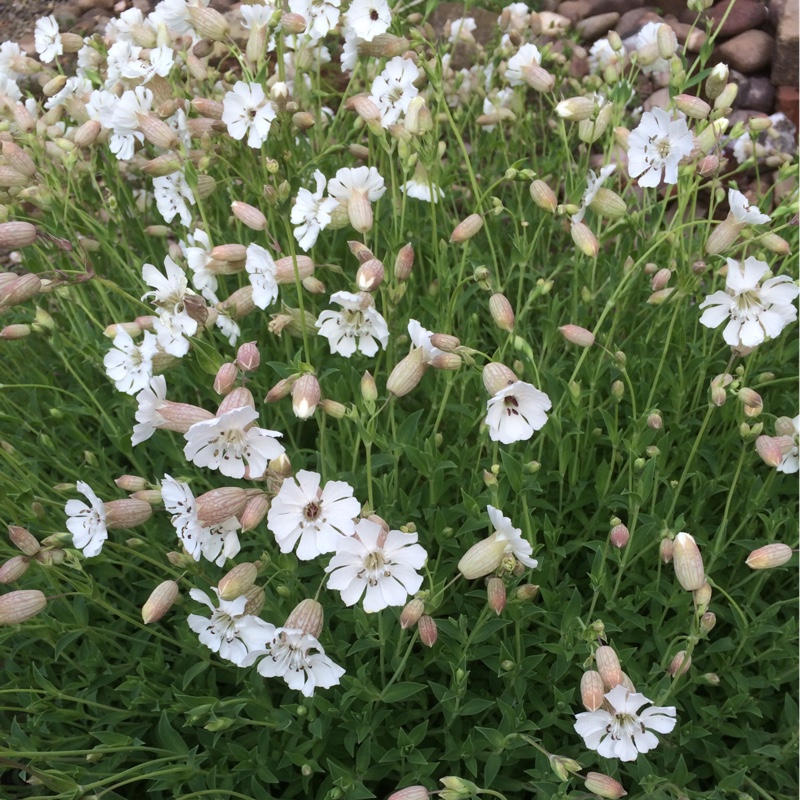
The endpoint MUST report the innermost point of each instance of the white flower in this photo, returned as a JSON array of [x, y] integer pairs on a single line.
[[317, 518], [349, 180], [257, 15], [756, 312], [421, 337], [76, 86], [150, 400], [369, 18], [515, 543], [528, 55], [519, 17], [427, 192], [602, 55], [101, 107], [229, 327], [229, 632], [358, 326], [321, 16], [176, 15], [593, 184], [169, 291], [348, 58], [646, 37], [87, 524], [462, 28], [262, 270], [246, 110], [197, 252], [8, 52], [229, 441], [743, 212], [394, 89], [9, 88], [625, 732], [129, 365], [498, 104], [790, 462], [46, 39], [658, 144], [381, 566], [125, 123], [159, 62], [215, 543], [311, 213], [515, 412], [287, 654], [173, 197]]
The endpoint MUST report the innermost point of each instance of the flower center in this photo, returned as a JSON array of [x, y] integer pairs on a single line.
[[311, 511], [374, 562], [663, 146], [511, 405], [748, 304], [373, 15]]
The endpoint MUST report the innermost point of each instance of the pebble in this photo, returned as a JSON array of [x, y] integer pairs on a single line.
[[631, 22], [659, 99], [784, 65], [574, 10], [691, 37], [788, 102], [755, 93], [597, 26], [744, 16], [748, 52]]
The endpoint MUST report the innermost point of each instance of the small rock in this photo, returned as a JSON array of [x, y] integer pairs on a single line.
[[593, 28], [755, 93], [744, 16], [88, 5], [631, 22], [574, 10], [659, 99], [691, 37], [788, 101], [784, 66], [607, 6], [748, 52], [66, 15], [776, 12]]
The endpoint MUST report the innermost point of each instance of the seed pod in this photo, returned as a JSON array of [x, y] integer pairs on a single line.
[[254, 512], [307, 616], [220, 504], [496, 594], [608, 666], [237, 581], [770, 555], [127, 513], [592, 690], [14, 569], [680, 664], [688, 562], [604, 786], [428, 633], [160, 601], [482, 558], [19, 606], [467, 228]]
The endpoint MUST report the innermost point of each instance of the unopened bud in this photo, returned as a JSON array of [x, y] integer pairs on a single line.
[[592, 690], [526, 592], [24, 540], [501, 311], [225, 378], [692, 106], [14, 332], [768, 556], [418, 117], [688, 562], [543, 196], [410, 793], [404, 263], [249, 215], [618, 390], [707, 622], [157, 131], [19, 606], [254, 511], [160, 601], [482, 558], [20, 290], [716, 81], [584, 239], [333, 408], [13, 569], [604, 786], [281, 389], [496, 377], [667, 41], [411, 613], [17, 158], [726, 97], [131, 483], [619, 536], [305, 396], [660, 279], [666, 550], [359, 211], [608, 203], [575, 109], [577, 335], [723, 236], [237, 581], [445, 342], [307, 616], [428, 633], [369, 390], [127, 513], [608, 666], [770, 450], [407, 373], [370, 275], [467, 228], [447, 361], [775, 244], [680, 664], [247, 357], [210, 24], [255, 600], [496, 594]]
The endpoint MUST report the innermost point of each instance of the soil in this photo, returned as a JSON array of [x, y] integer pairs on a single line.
[[17, 17]]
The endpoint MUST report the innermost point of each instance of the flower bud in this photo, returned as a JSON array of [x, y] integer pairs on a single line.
[[308, 617], [666, 550], [618, 390], [237, 581], [723, 236], [543, 196], [496, 594], [608, 203], [448, 361], [604, 786], [660, 279], [726, 97], [710, 136], [219, 505], [225, 378], [24, 540], [608, 666], [619, 536], [707, 622], [526, 592], [410, 793], [702, 597], [20, 290], [19, 606], [584, 239], [482, 558], [711, 678], [688, 562], [157, 131], [305, 396], [210, 24], [575, 109], [577, 335], [17, 234], [127, 513], [160, 601], [284, 268], [692, 106], [680, 664], [281, 389], [501, 311], [411, 613], [332, 408], [240, 397], [467, 228], [428, 632], [590, 130], [17, 158], [770, 450], [775, 244], [538, 78], [359, 211], [768, 556], [247, 357], [370, 275], [13, 569], [369, 391], [131, 483], [497, 376], [418, 117], [150, 496], [13, 332], [254, 511], [708, 166], [162, 165], [592, 690], [249, 215], [445, 342], [667, 41], [407, 373], [716, 81], [404, 263]]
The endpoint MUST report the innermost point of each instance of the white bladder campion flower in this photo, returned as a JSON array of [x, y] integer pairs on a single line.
[[321, 16], [87, 524], [394, 89], [369, 18], [594, 183], [789, 433], [421, 337], [526, 56], [754, 312], [246, 110], [743, 212], [130, 365], [515, 412], [173, 197], [358, 326], [656, 146], [317, 518], [261, 268], [229, 631], [46, 39], [230, 441], [311, 213], [295, 656], [624, 731], [378, 565], [515, 542]]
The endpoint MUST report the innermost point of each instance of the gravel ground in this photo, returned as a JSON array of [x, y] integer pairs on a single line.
[[17, 17]]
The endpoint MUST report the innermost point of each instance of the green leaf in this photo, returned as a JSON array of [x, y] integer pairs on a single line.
[[401, 691]]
